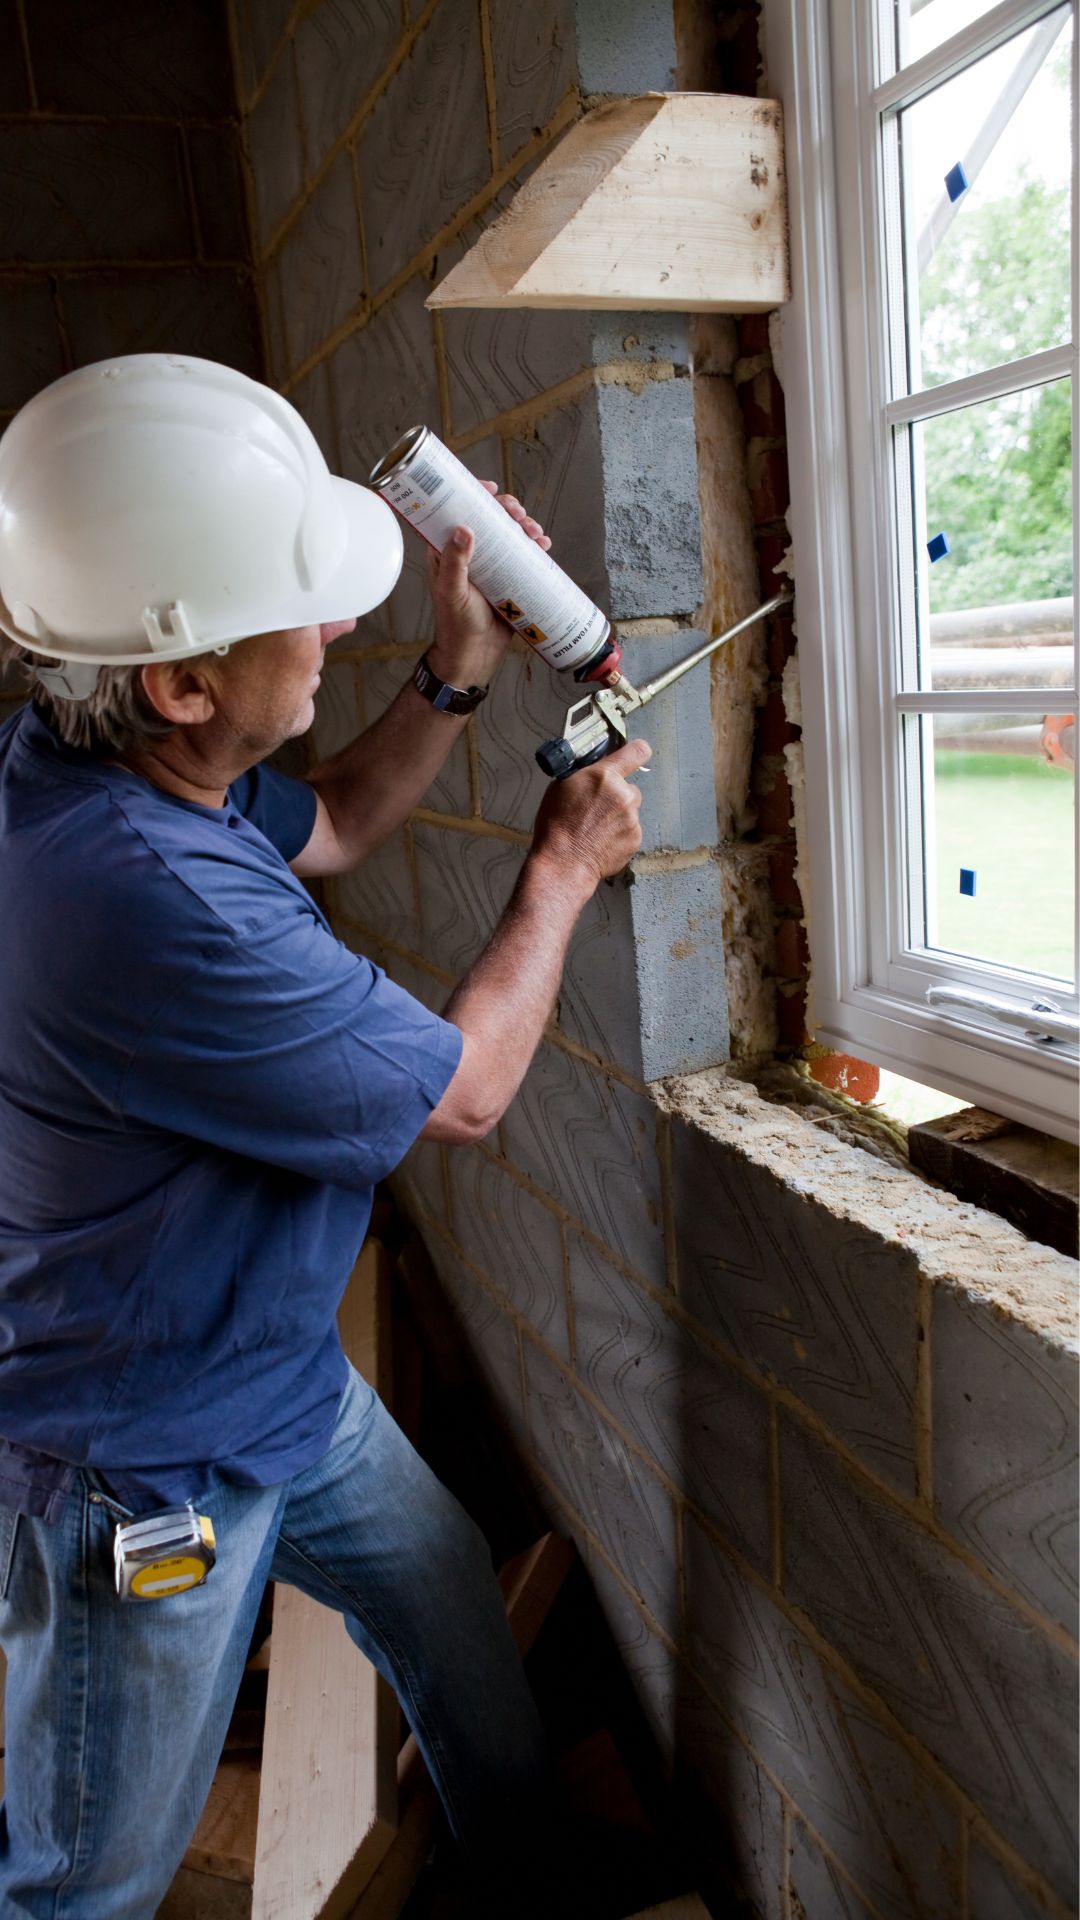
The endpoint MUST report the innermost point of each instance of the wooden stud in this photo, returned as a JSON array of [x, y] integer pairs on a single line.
[[657, 200], [328, 1805]]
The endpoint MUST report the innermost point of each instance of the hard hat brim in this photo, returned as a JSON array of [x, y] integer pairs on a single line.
[[363, 578]]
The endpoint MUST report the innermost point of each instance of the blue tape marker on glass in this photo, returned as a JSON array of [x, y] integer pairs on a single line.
[[967, 881], [939, 546], [956, 181]]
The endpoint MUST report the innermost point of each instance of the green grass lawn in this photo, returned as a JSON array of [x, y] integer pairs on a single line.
[[1011, 818]]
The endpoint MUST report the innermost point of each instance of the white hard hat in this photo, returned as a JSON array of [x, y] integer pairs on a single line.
[[156, 506]]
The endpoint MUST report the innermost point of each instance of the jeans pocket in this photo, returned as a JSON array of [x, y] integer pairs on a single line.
[[9, 1528]]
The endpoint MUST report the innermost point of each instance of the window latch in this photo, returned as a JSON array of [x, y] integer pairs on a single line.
[[1041, 1020]]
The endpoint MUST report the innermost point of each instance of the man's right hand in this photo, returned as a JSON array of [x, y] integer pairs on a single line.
[[589, 821]]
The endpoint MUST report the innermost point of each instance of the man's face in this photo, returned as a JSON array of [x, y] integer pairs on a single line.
[[265, 686]]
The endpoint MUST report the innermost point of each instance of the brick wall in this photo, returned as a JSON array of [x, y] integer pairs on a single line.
[[822, 1485]]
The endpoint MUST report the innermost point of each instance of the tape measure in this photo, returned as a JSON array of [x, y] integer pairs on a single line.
[[165, 1554]]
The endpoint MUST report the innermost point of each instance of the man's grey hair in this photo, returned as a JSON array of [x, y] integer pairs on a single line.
[[116, 718]]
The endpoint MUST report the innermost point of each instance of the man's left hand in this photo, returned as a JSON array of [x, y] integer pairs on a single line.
[[470, 638]]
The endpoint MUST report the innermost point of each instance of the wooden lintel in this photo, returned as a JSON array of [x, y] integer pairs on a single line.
[[659, 200]]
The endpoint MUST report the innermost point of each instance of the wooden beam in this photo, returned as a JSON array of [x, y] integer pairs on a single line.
[[328, 1805], [688, 1908], [675, 200]]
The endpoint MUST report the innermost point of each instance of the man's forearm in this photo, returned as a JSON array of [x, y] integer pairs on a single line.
[[505, 1000], [370, 788]]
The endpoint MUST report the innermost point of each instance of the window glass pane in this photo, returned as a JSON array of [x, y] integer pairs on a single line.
[[992, 498], [987, 168], [922, 25], [998, 838]]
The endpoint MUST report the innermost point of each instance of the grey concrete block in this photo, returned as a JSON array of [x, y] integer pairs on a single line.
[[424, 150], [274, 306], [625, 46], [380, 894], [322, 276], [742, 1837], [971, 1678], [598, 1003], [994, 1895], [557, 472], [337, 716], [14, 84], [617, 1497], [816, 1302], [651, 1665], [449, 791], [678, 808], [498, 359], [527, 704], [652, 512], [431, 992], [273, 136], [75, 191], [1005, 1448], [261, 25], [679, 957], [880, 1813], [203, 310], [218, 185], [119, 57], [342, 47], [412, 619], [623, 337], [591, 1143], [533, 52], [384, 378], [315, 400], [29, 341], [465, 882], [816, 1886], [418, 1182], [488, 1335], [705, 1426], [514, 1240]]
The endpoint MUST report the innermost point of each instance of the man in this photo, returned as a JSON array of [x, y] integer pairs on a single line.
[[199, 1087]]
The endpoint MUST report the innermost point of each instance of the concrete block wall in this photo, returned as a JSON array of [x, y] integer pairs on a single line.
[[812, 1427]]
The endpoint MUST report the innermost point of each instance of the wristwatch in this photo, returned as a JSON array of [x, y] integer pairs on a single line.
[[442, 695]]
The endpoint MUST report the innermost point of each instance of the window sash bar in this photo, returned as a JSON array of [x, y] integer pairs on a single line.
[[989, 700], [941, 63], [993, 383]]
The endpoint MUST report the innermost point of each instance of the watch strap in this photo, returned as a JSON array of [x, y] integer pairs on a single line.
[[442, 695]]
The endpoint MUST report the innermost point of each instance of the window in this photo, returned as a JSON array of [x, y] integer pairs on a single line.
[[930, 366]]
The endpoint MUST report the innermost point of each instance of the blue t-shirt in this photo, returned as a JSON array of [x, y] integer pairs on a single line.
[[199, 1086]]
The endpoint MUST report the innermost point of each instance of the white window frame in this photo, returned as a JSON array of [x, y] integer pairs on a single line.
[[868, 992]]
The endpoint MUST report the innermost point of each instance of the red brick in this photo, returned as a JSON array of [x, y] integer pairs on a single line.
[[769, 490], [774, 808], [774, 729], [844, 1074], [792, 951], [753, 334], [762, 401], [782, 882], [771, 550], [791, 1018], [780, 642]]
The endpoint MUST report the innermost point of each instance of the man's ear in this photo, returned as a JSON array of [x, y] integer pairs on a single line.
[[182, 694]]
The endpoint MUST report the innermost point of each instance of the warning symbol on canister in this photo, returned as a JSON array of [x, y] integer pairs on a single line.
[[509, 609], [534, 634]]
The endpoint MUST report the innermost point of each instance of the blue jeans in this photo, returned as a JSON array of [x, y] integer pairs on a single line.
[[116, 1714]]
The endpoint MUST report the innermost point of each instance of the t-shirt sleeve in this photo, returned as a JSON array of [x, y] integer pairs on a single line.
[[283, 809], [285, 1047]]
